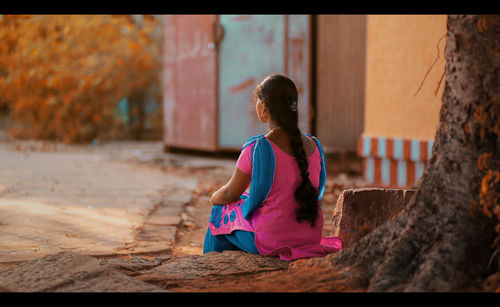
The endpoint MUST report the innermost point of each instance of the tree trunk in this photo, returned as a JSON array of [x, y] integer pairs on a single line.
[[438, 243]]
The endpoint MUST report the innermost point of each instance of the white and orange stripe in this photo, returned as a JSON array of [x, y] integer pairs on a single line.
[[393, 162]]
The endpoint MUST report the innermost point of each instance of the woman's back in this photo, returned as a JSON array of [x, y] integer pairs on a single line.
[[282, 141], [276, 228]]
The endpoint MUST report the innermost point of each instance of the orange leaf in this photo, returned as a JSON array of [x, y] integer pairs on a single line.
[[482, 161], [135, 47], [485, 183], [497, 176], [96, 118], [481, 24]]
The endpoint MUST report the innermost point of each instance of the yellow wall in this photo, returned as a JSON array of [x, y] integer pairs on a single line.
[[400, 50]]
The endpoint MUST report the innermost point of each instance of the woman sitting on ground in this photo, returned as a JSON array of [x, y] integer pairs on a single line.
[[281, 215]]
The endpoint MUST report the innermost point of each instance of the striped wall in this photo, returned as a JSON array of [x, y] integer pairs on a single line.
[[393, 162]]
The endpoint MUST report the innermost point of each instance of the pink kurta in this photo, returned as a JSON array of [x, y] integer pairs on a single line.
[[277, 232]]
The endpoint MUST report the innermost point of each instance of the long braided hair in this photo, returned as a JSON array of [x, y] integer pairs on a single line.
[[280, 96]]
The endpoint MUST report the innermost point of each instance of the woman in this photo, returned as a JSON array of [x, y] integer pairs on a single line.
[[281, 215]]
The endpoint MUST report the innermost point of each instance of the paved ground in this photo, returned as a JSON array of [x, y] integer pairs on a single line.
[[115, 198]]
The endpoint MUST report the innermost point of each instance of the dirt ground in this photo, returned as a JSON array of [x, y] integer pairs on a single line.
[[344, 171]]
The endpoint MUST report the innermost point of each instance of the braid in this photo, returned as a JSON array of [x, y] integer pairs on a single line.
[[300, 154], [280, 95], [306, 194]]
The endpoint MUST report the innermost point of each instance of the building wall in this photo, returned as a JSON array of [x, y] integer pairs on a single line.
[[400, 51]]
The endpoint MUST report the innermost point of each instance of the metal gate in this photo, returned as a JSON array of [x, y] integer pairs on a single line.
[[212, 65], [190, 76]]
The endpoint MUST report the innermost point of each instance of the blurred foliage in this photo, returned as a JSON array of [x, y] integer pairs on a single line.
[[485, 123], [62, 76]]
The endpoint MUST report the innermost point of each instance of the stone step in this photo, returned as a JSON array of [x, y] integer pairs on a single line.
[[359, 211], [70, 272]]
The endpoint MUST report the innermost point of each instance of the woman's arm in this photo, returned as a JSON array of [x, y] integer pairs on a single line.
[[233, 189]]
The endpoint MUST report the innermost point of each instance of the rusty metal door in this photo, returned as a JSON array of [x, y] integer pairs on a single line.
[[252, 47], [189, 83], [340, 80]]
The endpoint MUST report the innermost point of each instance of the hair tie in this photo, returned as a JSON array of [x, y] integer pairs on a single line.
[[293, 106]]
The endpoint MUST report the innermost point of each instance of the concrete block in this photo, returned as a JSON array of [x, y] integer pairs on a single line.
[[359, 211]]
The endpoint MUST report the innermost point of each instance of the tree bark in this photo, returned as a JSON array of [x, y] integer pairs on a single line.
[[437, 243]]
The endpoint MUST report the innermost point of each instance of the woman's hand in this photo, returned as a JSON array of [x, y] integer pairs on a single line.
[[210, 198], [232, 190]]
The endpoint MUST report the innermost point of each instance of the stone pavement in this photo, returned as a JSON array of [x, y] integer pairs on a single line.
[[73, 272], [114, 198], [70, 272]]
